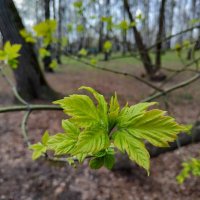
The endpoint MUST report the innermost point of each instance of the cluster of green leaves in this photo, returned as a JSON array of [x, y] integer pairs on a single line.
[[186, 44], [109, 22], [78, 5], [27, 36], [190, 167], [194, 21], [83, 52], [10, 53], [80, 28], [44, 30], [96, 131], [107, 46]]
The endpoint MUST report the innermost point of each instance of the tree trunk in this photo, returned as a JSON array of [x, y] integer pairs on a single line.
[[59, 50], [47, 59], [171, 20], [29, 78], [144, 54], [107, 54], [100, 42], [160, 35], [151, 71]]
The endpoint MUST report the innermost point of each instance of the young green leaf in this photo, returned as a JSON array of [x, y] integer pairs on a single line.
[[92, 140], [96, 163], [134, 147], [38, 150], [106, 160], [81, 108], [155, 127], [113, 111], [10, 53], [63, 143], [102, 107], [45, 138]]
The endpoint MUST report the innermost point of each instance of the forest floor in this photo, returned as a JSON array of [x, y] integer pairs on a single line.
[[24, 179]]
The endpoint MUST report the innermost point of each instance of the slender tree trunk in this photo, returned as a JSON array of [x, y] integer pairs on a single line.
[[100, 28], [124, 34], [107, 54], [171, 18], [59, 50], [151, 71], [29, 77], [47, 59], [54, 9], [160, 35], [100, 42], [144, 54]]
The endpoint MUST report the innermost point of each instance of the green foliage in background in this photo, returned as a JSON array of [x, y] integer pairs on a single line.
[[53, 64], [80, 28], [95, 130], [45, 30], [83, 52], [191, 167], [107, 46], [27, 36], [10, 53]]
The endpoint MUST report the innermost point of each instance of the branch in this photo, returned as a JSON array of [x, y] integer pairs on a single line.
[[24, 127], [115, 72], [29, 107], [17, 95], [177, 86]]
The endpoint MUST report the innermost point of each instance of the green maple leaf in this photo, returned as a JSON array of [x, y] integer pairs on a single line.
[[134, 147], [92, 140], [81, 108]]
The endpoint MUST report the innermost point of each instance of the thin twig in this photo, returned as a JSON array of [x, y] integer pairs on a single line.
[[177, 86], [30, 107], [10, 83], [115, 72], [24, 127]]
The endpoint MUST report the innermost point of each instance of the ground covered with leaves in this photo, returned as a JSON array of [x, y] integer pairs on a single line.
[[24, 179]]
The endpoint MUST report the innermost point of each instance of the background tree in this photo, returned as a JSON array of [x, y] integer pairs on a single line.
[[29, 77]]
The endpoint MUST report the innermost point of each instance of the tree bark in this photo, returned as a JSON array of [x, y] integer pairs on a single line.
[[107, 37], [160, 35], [29, 78], [151, 71], [144, 54], [60, 13]]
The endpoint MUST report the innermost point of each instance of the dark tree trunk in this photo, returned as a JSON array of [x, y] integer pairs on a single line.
[[100, 42], [47, 59], [171, 17], [124, 34], [151, 71], [107, 54], [54, 9], [144, 54], [60, 14], [160, 35], [29, 78]]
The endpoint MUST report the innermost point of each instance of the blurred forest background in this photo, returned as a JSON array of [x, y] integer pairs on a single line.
[[145, 50]]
